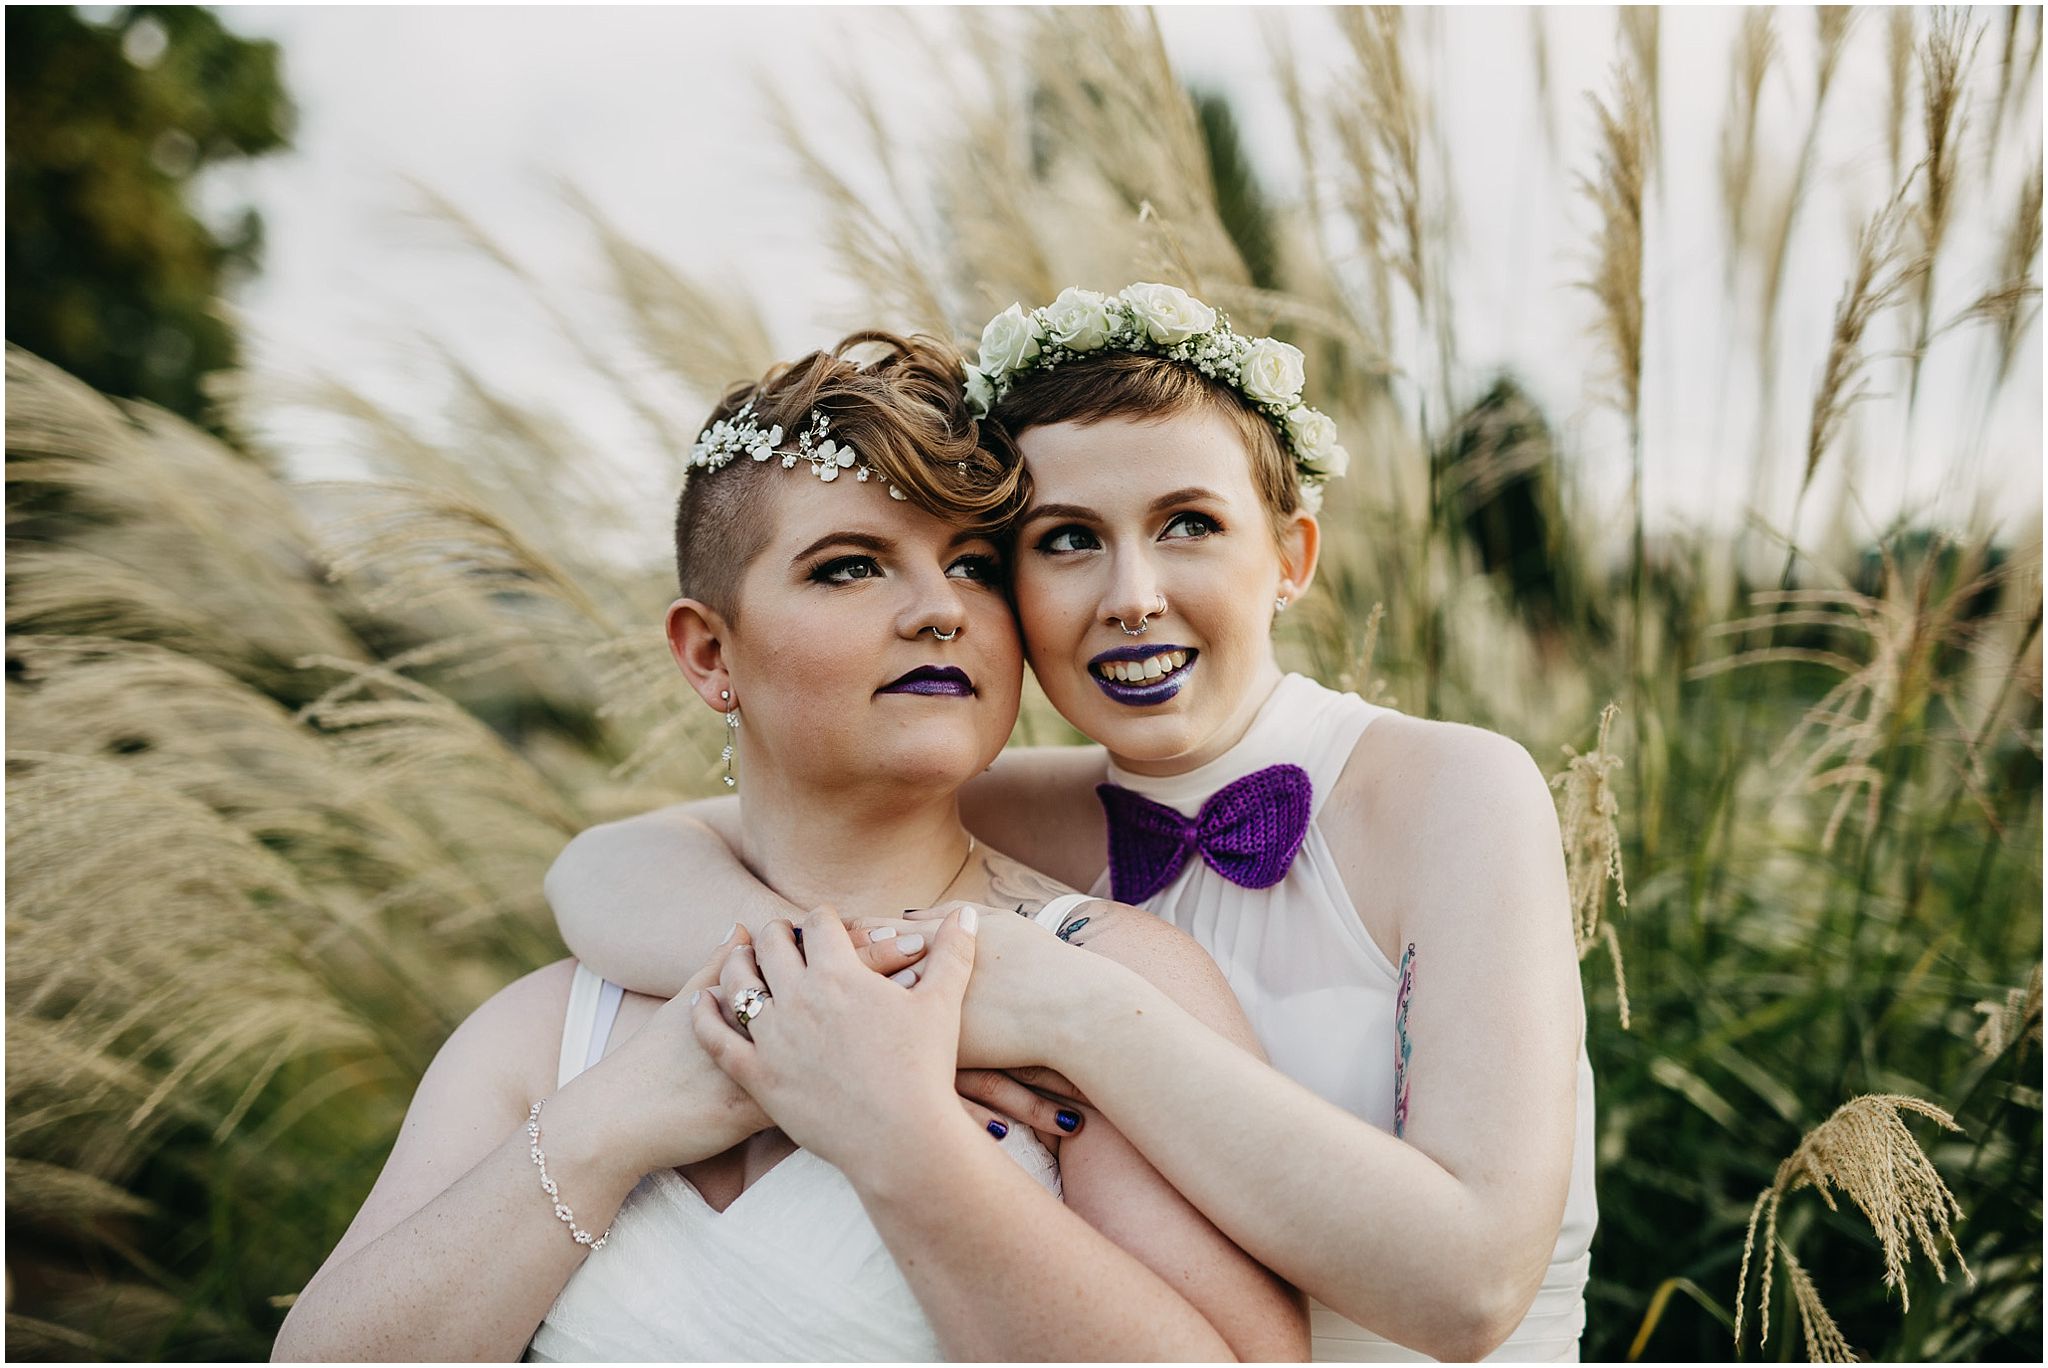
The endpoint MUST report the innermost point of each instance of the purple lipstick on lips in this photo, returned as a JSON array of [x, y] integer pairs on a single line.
[[935, 681], [1140, 688]]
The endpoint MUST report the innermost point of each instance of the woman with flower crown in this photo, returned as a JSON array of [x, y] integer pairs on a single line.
[[1385, 894], [596, 1175]]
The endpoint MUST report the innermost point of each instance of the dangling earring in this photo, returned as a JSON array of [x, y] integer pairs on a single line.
[[732, 736]]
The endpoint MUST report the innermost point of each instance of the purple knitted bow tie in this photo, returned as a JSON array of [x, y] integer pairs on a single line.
[[1248, 832]]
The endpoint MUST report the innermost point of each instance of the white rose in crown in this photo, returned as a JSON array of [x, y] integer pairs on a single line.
[[1078, 320], [1009, 341], [980, 393], [1313, 433], [1271, 372], [1167, 313], [1337, 462]]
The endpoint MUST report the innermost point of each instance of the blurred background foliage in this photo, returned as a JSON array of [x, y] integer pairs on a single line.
[[110, 273], [287, 759]]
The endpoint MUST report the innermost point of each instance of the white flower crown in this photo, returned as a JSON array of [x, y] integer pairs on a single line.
[[1163, 320], [719, 445]]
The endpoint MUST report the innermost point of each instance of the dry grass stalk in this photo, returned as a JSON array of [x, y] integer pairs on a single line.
[[1592, 844], [1898, 36], [1825, 1342], [1391, 127], [1359, 678], [1884, 268], [1864, 1150], [1641, 33], [1907, 626], [2005, 303], [2017, 1018], [1755, 50], [1944, 71], [1617, 193]]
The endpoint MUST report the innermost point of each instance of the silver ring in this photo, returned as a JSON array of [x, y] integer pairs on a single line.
[[943, 636], [747, 1004]]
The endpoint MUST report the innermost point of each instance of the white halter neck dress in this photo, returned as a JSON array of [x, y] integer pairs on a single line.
[[1321, 993], [792, 1271]]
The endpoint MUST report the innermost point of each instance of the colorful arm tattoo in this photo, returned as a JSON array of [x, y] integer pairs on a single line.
[[1402, 1049]]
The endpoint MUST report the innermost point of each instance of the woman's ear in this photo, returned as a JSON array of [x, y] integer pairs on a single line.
[[696, 638], [1301, 541]]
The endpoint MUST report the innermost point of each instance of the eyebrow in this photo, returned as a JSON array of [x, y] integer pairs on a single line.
[[868, 541], [1185, 494]]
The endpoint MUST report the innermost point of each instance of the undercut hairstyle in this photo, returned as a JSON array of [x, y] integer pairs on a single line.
[[1142, 388], [904, 411]]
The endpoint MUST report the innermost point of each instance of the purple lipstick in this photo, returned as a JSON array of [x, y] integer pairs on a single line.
[[1140, 688], [934, 681]]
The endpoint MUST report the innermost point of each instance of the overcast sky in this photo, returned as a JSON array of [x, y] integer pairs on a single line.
[[653, 113]]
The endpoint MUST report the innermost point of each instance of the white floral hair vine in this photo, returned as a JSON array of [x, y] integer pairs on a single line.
[[727, 439], [1163, 320]]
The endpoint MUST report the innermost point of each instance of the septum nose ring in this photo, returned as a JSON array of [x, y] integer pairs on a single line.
[[943, 636], [1144, 625]]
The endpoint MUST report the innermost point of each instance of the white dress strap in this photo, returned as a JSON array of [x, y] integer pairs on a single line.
[[587, 1025], [1053, 913]]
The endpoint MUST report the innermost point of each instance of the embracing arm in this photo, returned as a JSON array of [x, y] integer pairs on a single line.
[[455, 1254], [618, 890], [1135, 1270], [1438, 1240]]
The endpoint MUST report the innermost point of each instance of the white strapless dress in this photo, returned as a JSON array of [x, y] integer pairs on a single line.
[[792, 1271]]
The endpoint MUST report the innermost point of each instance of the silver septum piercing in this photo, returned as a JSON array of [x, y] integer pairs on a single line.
[[943, 636], [1144, 626]]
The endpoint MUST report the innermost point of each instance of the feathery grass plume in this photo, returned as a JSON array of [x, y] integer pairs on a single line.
[[2012, 299], [1898, 39], [126, 521], [1755, 50], [1864, 1150], [1616, 191], [874, 247], [1111, 101], [1885, 266], [1909, 628], [1641, 33], [702, 335], [2018, 1018], [1360, 678], [1824, 1340], [1945, 59], [439, 209], [1592, 846]]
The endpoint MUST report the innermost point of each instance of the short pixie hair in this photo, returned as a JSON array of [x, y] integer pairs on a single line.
[[905, 411], [1136, 386]]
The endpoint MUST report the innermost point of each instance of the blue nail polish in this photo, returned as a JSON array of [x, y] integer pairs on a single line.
[[798, 932], [1068, 1121], [998, 1129]]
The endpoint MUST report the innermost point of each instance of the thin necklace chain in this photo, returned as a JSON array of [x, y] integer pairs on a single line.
[[971, 843]]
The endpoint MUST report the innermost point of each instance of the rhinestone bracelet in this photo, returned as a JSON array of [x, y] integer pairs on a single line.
[[562, 1213]]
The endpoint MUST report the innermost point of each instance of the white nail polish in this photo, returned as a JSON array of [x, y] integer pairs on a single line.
[[694, 996], [734, 930], [881, 933], [911, 944], [906, 977], [969, 916]]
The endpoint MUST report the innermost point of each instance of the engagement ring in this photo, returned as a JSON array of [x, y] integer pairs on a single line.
[[747, 1004]]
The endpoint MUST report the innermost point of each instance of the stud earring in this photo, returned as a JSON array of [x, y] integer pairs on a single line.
[[1279, 605], [732, 735]]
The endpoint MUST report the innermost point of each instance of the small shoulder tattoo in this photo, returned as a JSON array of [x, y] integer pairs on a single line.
[[1403, 1051], [1010, 882]]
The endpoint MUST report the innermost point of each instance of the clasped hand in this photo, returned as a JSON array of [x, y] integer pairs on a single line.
[[852, 1064]]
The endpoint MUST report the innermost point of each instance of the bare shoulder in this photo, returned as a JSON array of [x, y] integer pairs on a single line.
[[1441, 782], [514, 1036], [1038, 802]]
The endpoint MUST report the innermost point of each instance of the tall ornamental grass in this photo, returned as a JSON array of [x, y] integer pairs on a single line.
[[288, 758]]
